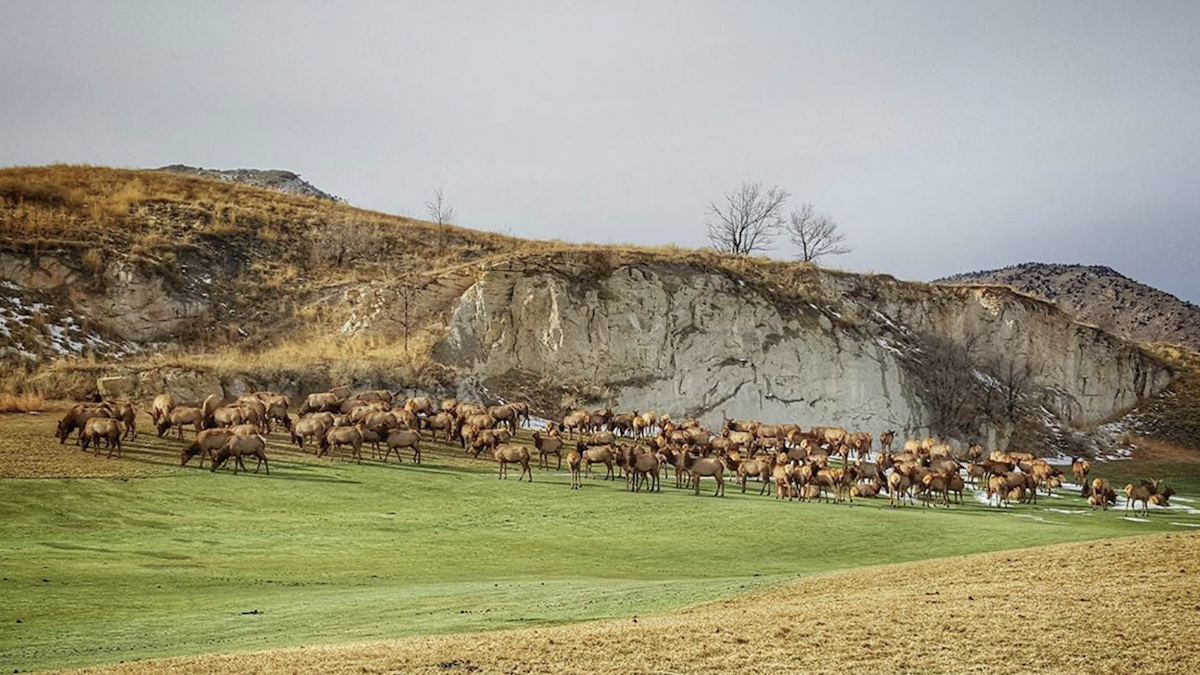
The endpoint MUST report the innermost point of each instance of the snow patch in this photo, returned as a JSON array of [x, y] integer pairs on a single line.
[[889, 346]]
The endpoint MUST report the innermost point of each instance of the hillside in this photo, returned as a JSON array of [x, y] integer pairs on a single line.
[[1101, 296], [893, 618], [272, 179], [159, 281]]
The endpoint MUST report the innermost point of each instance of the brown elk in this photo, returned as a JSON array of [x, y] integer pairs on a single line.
[[77, 417], [161, 406], [443, 422], [886, 439], [1080, 468], [1162, 498], [239, 446], [700, 467], [308, 428], [506, 415], [1140, 493], [397, 439], [574, 461], [342, 436], [513, 454], [420, 405], [760, 467], [599, 455], [382, 395], [935, 486], [550, 445], [206, 443], [899, 484], [98, 429], [641, 465], [179, 418]]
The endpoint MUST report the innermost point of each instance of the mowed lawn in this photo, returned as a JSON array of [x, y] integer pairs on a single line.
[[158, 560]]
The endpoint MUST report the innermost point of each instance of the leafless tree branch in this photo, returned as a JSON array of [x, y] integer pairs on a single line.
[[816, 235], [749, 219]]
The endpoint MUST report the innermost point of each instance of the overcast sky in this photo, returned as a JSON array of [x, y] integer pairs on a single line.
[[942, 136]]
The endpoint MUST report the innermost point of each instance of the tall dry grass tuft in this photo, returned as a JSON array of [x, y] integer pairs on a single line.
[[21, 403]]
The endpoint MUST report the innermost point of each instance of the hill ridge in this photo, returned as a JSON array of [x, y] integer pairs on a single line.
[[280, 180], [1101, 296]]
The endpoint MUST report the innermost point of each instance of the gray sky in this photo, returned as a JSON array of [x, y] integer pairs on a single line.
[[943, 136]]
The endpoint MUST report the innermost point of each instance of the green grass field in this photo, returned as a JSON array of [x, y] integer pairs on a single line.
[[184, 561]]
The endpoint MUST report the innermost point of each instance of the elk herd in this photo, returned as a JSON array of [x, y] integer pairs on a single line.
[[829, 464]]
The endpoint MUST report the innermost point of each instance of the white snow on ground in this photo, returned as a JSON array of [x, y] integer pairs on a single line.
[[1038, 519], [1185, 524], [1135, 520], [889, 346], [883, 317], [61, 336], [536, 423], [987, 380], [1069, 512]]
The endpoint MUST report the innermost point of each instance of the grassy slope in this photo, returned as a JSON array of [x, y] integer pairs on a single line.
[[1113, 606], [167, 561]]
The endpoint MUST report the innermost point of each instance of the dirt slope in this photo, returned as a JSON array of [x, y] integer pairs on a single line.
[[1112, 606]]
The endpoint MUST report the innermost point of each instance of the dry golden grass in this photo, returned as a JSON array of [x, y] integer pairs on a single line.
[[1109, 606], [21, 403]]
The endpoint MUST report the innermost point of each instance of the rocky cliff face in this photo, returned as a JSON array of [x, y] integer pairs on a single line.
[[703, 343]]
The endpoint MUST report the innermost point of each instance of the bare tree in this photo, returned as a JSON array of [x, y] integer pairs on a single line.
[[1015, 378], [945, 373], [341, 242], [440, 212], [409, 284], [816, 235], [749, 219]]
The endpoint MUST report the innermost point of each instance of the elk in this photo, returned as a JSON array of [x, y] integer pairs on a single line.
[[641, 465], [886, 439], [759, 467], [310, 428], [1140, 493], [443, 422], [574, 460], [161, 406], [339, 436], [239, 446], [699, 467], [547, 446], [179, 418], [513, 454], [77, 417], [206, 443], [1079, 469], [601, 455], [97, 429], [398, 439]]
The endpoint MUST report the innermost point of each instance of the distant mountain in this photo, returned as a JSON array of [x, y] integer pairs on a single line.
[[272, 179], [1102, 296]]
